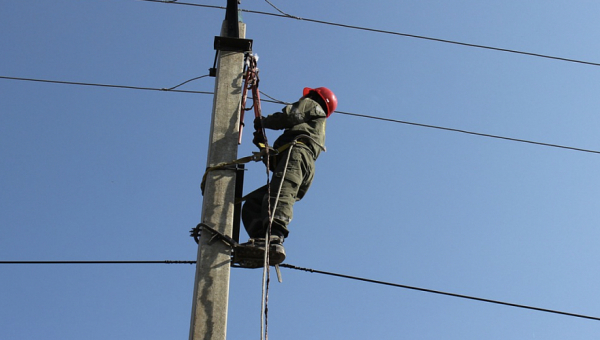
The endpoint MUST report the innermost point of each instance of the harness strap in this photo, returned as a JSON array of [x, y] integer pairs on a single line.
[[256, 156]]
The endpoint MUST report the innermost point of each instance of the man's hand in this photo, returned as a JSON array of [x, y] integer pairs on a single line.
[[259, 138], [258, 123]]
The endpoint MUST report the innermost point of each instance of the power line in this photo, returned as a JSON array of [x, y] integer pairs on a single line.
[[356, 278], [280, 11], [108, 85], [451, 129], [470, 132], [440, 292], [185, 82], [276, 101], [407, 35], [98, 262]]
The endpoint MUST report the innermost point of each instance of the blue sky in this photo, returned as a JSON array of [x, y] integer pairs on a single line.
[[96, 173]]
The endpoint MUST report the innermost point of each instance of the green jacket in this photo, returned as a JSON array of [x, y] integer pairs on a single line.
[[304, 117]]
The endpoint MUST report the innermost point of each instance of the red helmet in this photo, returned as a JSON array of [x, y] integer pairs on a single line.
[[328, 96]]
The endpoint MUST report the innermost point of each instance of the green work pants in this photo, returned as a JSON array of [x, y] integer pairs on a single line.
[[292, 187]]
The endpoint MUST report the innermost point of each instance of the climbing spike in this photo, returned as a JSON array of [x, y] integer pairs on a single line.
[[278, 273]]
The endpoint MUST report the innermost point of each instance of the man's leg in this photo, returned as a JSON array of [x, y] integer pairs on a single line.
[[298, 177], [252, 213]]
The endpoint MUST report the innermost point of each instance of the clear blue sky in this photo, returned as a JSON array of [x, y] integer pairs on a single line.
[[95, 173]]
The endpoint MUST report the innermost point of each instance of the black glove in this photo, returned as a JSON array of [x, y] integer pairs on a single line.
[[259, 138], [258, 123]]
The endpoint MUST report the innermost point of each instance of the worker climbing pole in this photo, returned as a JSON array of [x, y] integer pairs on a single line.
[[267, 211], [246, 255]]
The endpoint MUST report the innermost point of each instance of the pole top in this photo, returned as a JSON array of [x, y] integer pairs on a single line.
[[231, 16]]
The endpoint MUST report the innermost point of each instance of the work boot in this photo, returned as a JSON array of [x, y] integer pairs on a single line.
[[254, 242], [276, 249]]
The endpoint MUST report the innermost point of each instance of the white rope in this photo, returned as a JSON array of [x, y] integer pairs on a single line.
[[266, 270]]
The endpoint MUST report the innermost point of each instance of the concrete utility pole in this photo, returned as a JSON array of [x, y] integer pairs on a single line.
[[211, 286]]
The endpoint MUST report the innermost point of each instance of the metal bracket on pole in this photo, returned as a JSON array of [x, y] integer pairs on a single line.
[[233, 44], [195, 233], [230, 41], [229, 44]]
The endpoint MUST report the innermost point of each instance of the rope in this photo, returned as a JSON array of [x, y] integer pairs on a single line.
[[266, 270], [266, 267], [251, 81]]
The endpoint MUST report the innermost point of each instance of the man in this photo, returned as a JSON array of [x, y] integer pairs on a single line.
[[293, 168]]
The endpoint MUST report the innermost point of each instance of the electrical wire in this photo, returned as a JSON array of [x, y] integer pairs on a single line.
[[273, 100], [280, 11], [440, 292], [108, 85], [343, 276], [407, 35], [98, 262], [276, 101], [470, 132], [185, 82]]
